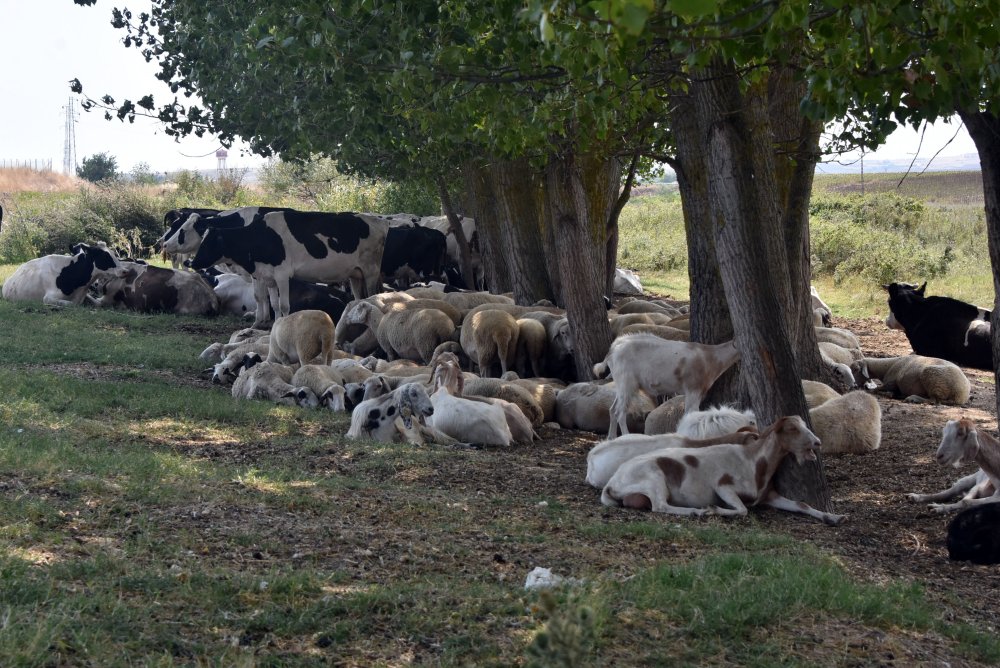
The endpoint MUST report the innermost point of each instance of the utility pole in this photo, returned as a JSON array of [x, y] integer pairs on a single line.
[[69, 145]]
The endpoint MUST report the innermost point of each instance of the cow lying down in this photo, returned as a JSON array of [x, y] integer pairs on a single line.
[[694, 481]]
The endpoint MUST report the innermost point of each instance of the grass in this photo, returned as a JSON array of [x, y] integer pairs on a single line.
[[931, 228], [150, 519]]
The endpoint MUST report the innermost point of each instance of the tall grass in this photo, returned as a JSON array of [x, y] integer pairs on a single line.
[[863, 235]]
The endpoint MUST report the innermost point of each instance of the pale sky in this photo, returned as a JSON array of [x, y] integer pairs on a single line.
[[46, 43]]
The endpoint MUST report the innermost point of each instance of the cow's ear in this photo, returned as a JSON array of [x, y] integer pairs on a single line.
[[887, 286], [920, 290]]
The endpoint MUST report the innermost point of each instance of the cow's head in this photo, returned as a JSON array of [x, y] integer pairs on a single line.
[[211, 251]]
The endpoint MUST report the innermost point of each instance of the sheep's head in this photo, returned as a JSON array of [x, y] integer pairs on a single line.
[[959, 443], [375, 386], [333, 398]]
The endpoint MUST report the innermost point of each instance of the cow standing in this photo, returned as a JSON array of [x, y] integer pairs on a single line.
[[310, 246]]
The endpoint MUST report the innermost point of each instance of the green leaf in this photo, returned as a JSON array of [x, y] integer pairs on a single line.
[[694, 9]]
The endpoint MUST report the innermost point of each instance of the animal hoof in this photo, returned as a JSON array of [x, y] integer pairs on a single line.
[[835, 520]]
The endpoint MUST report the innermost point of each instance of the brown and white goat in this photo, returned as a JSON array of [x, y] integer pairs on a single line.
[[962, 443], [660, 367], [691, 481]]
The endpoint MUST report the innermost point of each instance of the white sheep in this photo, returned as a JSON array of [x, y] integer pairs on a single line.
[[660, 367], [490, 337], [841, 371], [663, 331], [218, 351], [821, 312], [272, 381], [351, 370], [605, 457], [412, 335], [851, 423], [464, 419], [325, 381], [917, 378], [664, 418], [531, 344], [715, 421], [587, 406], [962, 443], [228, 369], [619, 322], [643, 306], [495, 388], [466, 301], [303, 337], [439, 304], [543, 391], [842, 337], [839, 354], [818, 393]]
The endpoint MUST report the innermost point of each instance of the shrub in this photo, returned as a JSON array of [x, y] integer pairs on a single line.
[[651, 234]]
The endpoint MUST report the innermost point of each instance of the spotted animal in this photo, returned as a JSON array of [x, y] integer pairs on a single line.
[[61, 279]]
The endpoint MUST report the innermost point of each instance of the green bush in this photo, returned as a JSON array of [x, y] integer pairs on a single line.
[[651, 234]]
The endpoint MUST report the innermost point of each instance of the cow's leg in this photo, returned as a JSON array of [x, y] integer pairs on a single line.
[[262, 317], [284, 303]]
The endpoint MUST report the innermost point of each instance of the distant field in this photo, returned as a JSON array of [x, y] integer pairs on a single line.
[[865, 231]]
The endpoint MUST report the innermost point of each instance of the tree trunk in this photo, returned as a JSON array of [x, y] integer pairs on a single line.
[[753, 260], [984, 128], [495, 267], [455, 224], [580, 193], [520, 206], [611, 255]]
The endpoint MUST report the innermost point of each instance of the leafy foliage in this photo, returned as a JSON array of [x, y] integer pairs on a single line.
[[98, 167]]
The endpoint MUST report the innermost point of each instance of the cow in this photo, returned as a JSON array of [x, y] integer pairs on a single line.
[[186, 234], [237, 297], [941, 326], [149, 289], [422, 249], [61, 280], [310, 246], [172, 220]]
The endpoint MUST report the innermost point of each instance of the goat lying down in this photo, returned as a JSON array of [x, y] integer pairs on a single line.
[[962, 443], [397, 416], [691, 481], [605, 457]]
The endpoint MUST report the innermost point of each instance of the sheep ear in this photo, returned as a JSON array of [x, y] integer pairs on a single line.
[[461, 382]]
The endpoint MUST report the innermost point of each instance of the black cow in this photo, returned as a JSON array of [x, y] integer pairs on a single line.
[[941, 326], [310, 246], [422, 249]]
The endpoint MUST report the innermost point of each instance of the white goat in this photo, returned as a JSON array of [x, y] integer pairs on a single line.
[[464, 419], [661, 367], [962, 443], [715, 421], [396, 417], [605, 457], [690, 481]]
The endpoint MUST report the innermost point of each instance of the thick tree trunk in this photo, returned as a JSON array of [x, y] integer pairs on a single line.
[[710, 322], [495, 266], [753, 260], [984, 128], [520, 207], [580, 193]]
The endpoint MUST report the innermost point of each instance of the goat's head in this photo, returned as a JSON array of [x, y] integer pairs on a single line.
[[795, 438], [412, 401], [959, 443], [449, 377]]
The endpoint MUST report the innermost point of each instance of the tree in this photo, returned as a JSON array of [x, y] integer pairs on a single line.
[[442, 91], [98, 167]]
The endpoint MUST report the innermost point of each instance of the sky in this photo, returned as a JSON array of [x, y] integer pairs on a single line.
[[46, 43]]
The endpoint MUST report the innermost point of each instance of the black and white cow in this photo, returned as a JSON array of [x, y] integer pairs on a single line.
[[941, 326], [422, 249], [151, 289], [237, 298], [186, 234], [310, 246], [61, 279]]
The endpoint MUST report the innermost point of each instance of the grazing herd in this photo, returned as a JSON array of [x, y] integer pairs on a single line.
[[427, 362]]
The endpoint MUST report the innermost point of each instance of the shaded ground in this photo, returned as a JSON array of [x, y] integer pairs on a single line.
[[458, 515]]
